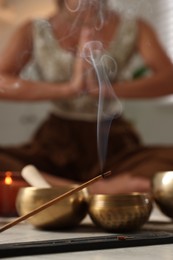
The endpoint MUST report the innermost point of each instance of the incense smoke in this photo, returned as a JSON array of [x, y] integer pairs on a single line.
[[95, 54], [105, 68]]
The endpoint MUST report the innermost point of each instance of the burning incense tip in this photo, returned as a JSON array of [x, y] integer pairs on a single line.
[[106, 174]]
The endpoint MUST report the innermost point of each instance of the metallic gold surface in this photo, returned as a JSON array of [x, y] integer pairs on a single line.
[[64, 214], [162, 187], [125, 212]]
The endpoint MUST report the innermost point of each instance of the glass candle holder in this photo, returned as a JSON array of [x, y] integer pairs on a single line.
[[10, 183]]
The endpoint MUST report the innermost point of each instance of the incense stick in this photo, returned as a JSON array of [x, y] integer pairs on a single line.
[[51, 202]]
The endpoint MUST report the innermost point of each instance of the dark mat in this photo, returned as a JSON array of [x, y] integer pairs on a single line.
[[142, 238]]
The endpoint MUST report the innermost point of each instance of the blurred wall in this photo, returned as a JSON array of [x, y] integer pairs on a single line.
[[153, 118]]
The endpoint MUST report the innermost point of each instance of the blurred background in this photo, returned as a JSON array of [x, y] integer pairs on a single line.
[[153, 118]]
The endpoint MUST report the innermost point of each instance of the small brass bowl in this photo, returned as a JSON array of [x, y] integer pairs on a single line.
[[123, 212], [67, 213], [162, 188]]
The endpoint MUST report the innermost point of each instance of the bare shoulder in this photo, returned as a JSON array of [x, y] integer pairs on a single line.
[[24, 31], [18, 49], [21, 37], [150, 46], [147, 37], [146, 29]]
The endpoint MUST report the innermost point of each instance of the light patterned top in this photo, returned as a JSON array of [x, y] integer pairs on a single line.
[[51, 63]]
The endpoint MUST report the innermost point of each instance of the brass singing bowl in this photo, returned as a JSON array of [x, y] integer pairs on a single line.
[[162, 188], [124, 212], [66, 213]]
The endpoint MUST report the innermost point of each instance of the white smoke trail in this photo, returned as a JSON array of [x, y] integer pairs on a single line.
[[94, 53]]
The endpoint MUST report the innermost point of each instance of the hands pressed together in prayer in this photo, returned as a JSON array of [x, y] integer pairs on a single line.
[[84, 79]]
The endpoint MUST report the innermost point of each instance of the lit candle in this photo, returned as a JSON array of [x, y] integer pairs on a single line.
[[10, 183]]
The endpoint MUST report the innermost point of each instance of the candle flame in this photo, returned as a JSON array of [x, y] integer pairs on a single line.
[[8, 179]]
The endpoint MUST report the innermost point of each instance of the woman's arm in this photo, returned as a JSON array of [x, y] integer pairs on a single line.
[[160, 82], [157, 85], [16, 55]]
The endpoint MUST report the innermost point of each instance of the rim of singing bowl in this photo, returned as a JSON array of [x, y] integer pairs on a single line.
[[119, 197], [121, 200], [53, 192]]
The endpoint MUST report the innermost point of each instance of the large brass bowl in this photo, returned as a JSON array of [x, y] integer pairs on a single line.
[[124, 212], [66, 213], [162, 188]]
